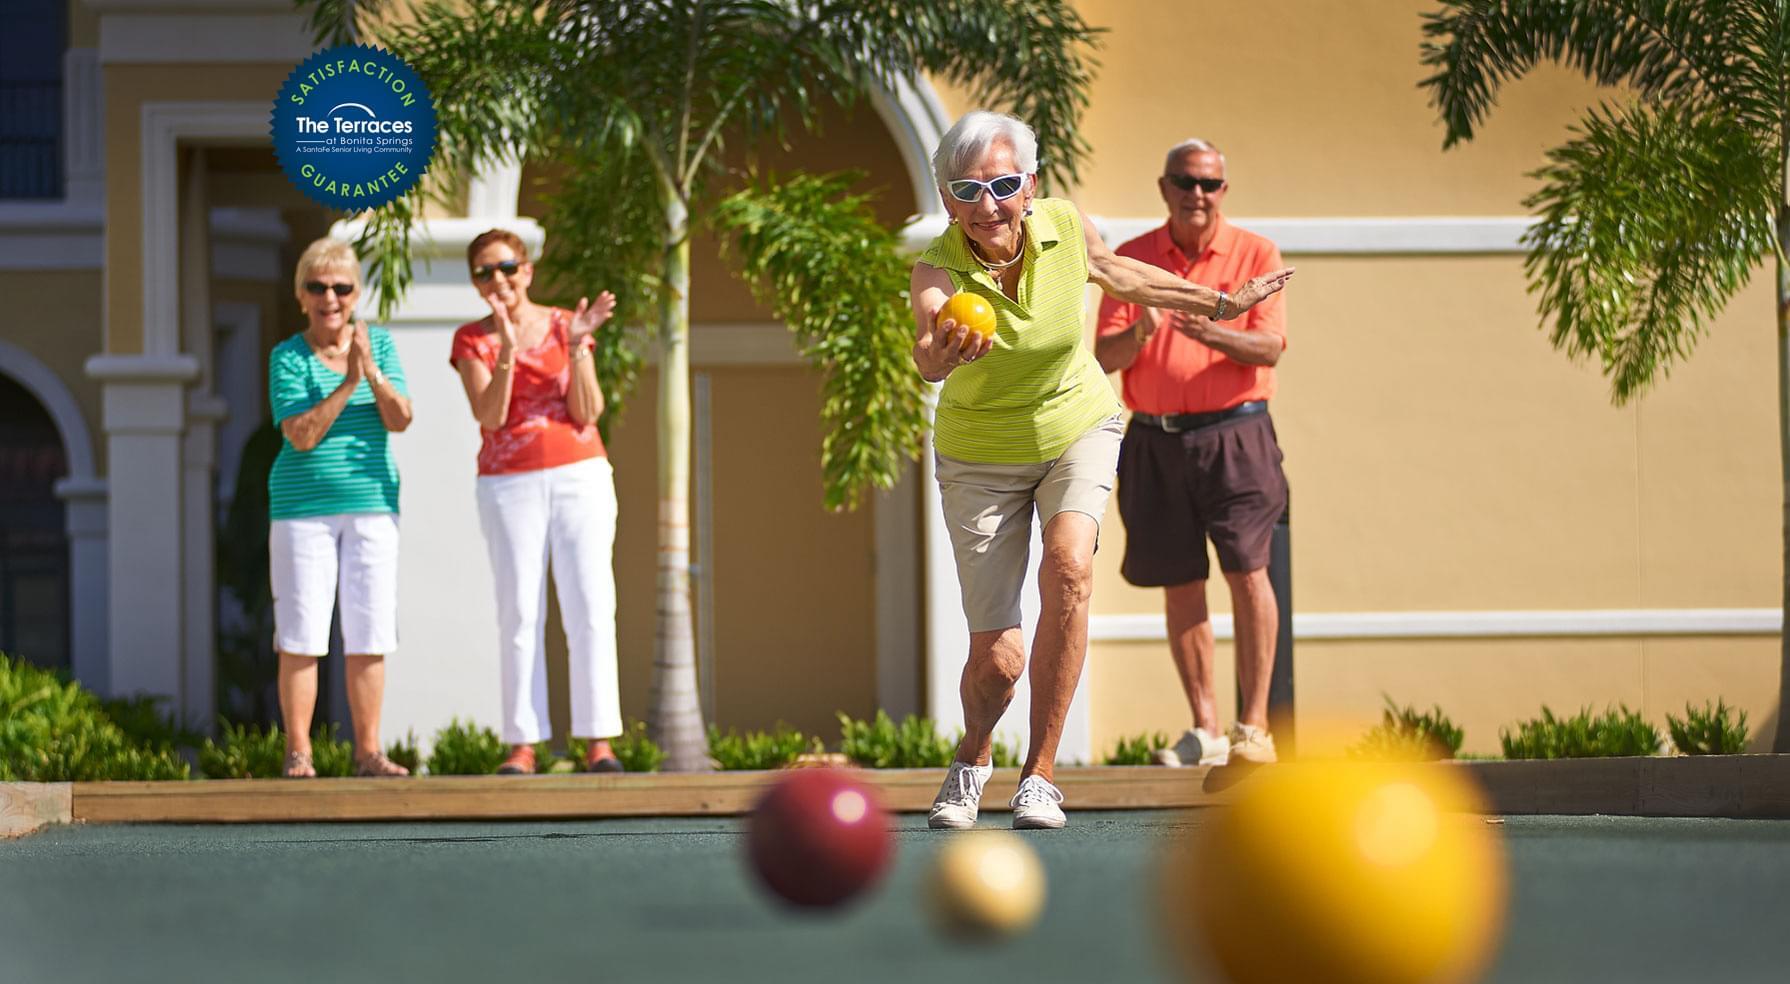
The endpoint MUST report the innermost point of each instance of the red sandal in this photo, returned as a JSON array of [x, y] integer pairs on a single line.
[[521, 761]]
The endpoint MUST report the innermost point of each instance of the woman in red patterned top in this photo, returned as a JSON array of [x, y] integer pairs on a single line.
[[546, 497]]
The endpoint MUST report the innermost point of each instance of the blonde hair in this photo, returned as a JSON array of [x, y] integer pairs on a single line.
[[325, 254]]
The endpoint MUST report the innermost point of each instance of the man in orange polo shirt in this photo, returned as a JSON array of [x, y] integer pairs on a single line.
[[1199, 457]]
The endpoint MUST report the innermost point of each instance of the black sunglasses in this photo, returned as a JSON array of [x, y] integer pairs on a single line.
[[318, 287], [484, 273], [1187, 182]]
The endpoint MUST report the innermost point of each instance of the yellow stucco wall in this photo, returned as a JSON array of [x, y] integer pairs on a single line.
[[1315, 104], [55, 316]]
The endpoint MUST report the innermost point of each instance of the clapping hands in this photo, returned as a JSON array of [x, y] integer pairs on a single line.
[[590, 315]]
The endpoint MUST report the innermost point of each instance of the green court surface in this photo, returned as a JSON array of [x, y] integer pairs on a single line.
[[1594, 899]]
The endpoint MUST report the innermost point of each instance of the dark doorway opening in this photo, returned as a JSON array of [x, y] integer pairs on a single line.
[[34, 602]]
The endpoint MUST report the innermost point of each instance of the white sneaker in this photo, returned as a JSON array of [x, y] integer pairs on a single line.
[[956, 805], [1196, 747], [1252, 744], [1035, 805]]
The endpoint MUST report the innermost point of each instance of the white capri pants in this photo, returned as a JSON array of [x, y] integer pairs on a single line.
[[565, 517], [318, 561]]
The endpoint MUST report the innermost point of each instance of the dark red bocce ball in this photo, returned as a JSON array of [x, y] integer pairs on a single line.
[[818, 837]]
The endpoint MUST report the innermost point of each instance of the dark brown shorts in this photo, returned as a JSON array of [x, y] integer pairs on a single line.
[[1175, 490]]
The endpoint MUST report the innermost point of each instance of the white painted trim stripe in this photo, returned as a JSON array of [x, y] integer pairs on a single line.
[[1475, 625], [156, 39]]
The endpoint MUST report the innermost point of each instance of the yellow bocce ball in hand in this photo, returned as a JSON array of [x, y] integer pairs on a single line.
[[970, 311]]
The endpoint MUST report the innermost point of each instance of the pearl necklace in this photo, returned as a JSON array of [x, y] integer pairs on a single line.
[[993, 267]]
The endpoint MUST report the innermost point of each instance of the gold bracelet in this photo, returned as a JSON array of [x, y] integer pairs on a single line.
[[507, 365]]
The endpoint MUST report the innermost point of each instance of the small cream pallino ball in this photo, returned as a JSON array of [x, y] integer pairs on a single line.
[[986, 883]]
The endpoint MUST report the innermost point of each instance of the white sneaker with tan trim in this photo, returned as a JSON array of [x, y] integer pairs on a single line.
[[1252, 745], [1196, 747]]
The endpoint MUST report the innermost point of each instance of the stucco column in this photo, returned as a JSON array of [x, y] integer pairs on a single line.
[[145, 416], [84, 513]]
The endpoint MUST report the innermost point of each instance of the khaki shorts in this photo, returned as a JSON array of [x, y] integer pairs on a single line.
[[988, 511]]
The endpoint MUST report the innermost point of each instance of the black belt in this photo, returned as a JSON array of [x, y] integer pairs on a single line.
[[1174, 423]]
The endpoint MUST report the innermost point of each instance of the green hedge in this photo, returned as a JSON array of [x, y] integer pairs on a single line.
[[760, 749], [1137, 750], [1709, 730], [51, 730], [1406, 733], [1617, 731]]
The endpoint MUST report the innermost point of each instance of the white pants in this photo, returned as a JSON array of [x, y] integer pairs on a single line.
[[564, 516], [320, 560]]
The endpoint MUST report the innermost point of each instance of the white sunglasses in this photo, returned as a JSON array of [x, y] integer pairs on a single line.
[[969, 190]]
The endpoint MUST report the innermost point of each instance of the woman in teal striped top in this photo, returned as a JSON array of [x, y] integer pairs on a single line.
[[337, 389], [1026, 421]]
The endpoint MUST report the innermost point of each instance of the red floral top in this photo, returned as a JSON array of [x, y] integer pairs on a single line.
[[539, 431]]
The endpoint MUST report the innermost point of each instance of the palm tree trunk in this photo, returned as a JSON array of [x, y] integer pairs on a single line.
[[1781, 743], [675, 718]]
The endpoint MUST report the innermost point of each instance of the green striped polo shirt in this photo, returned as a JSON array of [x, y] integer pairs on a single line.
[[351, 470], [1040, 387]]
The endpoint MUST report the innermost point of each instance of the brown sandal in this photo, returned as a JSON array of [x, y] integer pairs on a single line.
[[378, 766], [298, 766]]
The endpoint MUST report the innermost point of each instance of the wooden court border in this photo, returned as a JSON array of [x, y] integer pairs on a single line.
[[1742, 786]]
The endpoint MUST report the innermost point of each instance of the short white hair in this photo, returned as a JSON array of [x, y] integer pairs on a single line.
[[965, 143], [1193, 145]]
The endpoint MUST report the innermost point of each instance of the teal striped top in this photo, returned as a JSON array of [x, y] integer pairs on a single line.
[[351, 470], [1040, 388]]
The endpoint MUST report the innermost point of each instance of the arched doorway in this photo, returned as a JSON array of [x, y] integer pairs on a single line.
[[34, 556]]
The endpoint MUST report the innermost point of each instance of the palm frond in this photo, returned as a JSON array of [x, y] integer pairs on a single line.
[[816, 256], [1650, 219], [1668, 50], [384, 245], [1033, 58], [334, 22]]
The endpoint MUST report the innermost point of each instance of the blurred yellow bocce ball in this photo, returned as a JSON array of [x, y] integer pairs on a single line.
[[1343, 872]]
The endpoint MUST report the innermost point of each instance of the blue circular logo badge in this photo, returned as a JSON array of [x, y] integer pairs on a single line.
[[354, 127]]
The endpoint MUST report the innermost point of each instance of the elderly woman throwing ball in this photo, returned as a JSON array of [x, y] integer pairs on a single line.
[[1026, 420]]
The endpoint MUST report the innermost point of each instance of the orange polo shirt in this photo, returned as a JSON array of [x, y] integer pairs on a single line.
[[1174, 373]]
